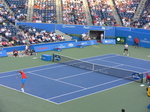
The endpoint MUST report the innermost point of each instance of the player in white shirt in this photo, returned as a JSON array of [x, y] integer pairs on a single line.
[[125, 52]]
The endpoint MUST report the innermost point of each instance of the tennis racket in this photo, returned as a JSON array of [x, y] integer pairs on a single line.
[[17, 75]]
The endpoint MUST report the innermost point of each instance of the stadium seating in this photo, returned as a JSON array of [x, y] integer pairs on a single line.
[[19, 8], [44, 11], [126, 10], [101, 13], [145, 16], [73, 12]]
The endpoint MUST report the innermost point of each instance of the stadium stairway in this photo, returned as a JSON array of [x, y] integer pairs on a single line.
[[66, 37], [6, 6], [116, 15], [139, 10]]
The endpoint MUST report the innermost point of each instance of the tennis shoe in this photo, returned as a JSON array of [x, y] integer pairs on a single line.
[[22, 90]]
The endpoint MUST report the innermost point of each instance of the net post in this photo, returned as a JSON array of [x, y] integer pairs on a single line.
[[53, 57], [142, 78], [93, 68]]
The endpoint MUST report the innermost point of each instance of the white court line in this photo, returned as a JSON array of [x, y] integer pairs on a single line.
[[28, 94], [74, 75], [93, 93], [8, 76], [31, 71], [47, 68], [119, 64], [134, 58], [29, 68], [52, 64], [57, 80], [85, 89], [47, 65], [101, 57]]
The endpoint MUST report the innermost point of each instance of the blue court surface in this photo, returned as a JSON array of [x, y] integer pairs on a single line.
[[60, 83]]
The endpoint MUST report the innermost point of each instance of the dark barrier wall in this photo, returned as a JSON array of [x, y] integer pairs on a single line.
[[3, 53], [64, 45], [129, 33], [140, 30], [48, 27], [10, 49], [20, 48], [80, 29], [32, 47], [123, 28], [71, 29]]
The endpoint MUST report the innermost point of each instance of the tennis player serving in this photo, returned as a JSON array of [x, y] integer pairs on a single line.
[[24, 76]]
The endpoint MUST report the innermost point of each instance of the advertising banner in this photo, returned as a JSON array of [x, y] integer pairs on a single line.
[[64, 45], [3, 53], [144, 40], [120, 40], [108, 41]]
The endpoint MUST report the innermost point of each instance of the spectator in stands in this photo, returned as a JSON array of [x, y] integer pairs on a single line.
[[73, 12], [1, 45], [4, 43], [15, 53]]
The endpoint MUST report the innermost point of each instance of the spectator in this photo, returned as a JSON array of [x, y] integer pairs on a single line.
[[15, 53]]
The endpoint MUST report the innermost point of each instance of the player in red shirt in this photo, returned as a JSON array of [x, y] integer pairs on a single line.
[[136, 42], [147, 78], [15, 53], [24, 76]]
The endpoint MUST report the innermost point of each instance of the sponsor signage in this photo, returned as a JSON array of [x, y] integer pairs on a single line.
[[64, 45], [3, 53], [109, 41]]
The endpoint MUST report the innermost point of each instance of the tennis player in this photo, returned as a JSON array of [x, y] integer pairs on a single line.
[[147, 79], [24, 76], [125, 51]]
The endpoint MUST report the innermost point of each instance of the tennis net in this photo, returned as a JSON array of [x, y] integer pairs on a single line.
[[116, 72]]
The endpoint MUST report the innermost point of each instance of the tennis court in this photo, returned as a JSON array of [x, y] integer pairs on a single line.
[[59, 83], [130, 96]]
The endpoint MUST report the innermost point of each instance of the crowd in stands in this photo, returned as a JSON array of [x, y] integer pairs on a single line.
[[30, 35], [73, 12], [9, 36], [147, 26], [101, 13], [144, 17], [44, 11], [19, 9], [126, 9]]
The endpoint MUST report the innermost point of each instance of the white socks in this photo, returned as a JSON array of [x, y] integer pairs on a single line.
[[22, 89]]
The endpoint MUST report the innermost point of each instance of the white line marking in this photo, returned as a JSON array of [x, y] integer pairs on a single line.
[[57, 80], [28, 94], [93, 93], [86, 88], [75, 75]]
